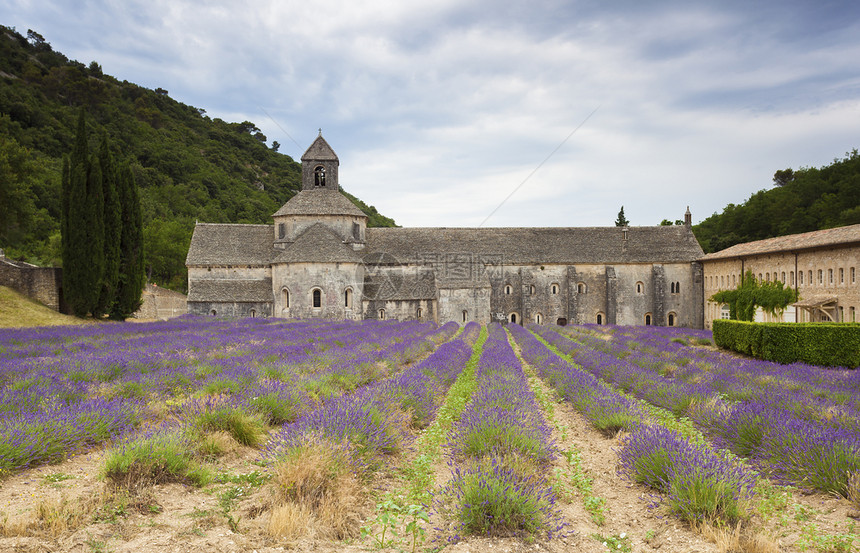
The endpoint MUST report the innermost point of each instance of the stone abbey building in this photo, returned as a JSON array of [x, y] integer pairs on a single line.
[[319, 260]]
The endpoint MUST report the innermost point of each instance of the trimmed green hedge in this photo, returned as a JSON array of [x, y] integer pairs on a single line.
[[826, 344]]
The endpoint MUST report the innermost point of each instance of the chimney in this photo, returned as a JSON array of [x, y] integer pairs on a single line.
[[688, 217]]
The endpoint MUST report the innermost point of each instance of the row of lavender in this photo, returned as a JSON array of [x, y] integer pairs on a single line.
[[698, 482], [91, 388], [500, 450], [803, 434], [349, 437]]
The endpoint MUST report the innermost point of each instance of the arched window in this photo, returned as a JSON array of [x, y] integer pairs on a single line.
[[317, 298], [532, 289], [800, 277], [508, 289], [791, 277], [381, 314], [581, 288], [600, 318], [419, 312], [841, 275], [553, 288], [253, 313], [347, 298], [465, 316], [830, 276], [820, 276], [647, 319], [640, 288], [285, 294], [212, 313], [561, 321], [782, 277], [319, 175], [672, 287], [512, 318], [670, 319], [538, 318]]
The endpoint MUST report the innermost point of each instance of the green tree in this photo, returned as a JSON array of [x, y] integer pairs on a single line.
[[16, 203], [111, 214], [166, 248], [74, 217], [621, 221], [94, 230], [750, 294], [131, 277]]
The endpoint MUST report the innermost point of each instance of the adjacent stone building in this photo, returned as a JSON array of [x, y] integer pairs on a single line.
[[821, 266], [319, 260]]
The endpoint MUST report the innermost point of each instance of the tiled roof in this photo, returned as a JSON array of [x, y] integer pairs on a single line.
[[319, 150], [318, 244], [400, 285], [227, 244], [319, 202], [231, 290], [660, 244], [793, 242], [253, 245]]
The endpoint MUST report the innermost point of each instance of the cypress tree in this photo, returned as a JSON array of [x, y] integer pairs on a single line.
[[131, 267], [94, 237], [112, 221], [73, 224]]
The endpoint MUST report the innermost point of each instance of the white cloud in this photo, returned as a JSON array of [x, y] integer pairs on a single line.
[[438, 109]]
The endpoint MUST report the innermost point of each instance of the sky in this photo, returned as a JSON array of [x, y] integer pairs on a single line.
[[498, 113]]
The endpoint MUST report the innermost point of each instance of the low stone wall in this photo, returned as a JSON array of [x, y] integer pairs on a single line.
[[43, 284], [161, 303]]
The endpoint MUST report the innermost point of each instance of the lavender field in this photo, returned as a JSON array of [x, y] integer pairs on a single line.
[[261, 434]]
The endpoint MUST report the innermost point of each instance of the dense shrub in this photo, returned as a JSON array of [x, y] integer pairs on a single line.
[[827, 344]]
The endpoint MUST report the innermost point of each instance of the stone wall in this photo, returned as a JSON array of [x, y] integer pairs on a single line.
[[464, 305], [43, 284], [401, 310], [161, 303], [297, 281], [230, 309]]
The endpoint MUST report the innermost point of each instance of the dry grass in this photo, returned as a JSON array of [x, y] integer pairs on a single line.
[[854, 489], [316, 494], [52, 518], [219, 443], [18, 311], [291, 521], [736, 539]]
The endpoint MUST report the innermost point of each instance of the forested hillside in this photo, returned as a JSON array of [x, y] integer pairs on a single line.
[[802, 200], [188, 166]]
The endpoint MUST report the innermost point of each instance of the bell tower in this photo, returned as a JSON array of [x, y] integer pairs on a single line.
[[319, 166]]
